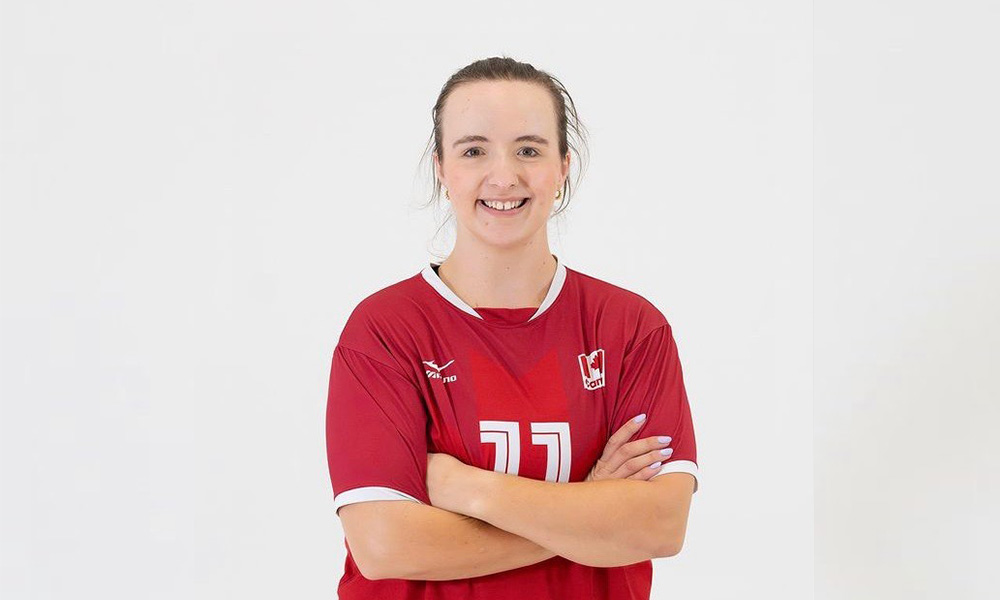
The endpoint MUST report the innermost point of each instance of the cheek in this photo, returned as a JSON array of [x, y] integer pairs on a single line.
[[545, 178], [545, 185], [464, 181]]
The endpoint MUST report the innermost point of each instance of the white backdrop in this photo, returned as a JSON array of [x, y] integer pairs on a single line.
[[196, 194], [907, 274]]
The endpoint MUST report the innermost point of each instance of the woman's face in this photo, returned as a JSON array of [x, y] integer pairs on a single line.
[[499, 141]]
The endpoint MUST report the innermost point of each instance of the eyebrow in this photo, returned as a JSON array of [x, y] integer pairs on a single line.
[[482, 138]]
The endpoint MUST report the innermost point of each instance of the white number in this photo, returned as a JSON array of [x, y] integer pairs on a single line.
[[507, 437]]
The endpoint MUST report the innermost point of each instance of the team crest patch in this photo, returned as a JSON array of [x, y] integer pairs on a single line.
[[592, 369]]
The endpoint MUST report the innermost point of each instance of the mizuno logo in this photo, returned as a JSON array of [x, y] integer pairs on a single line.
[[435, 371], [430, 363]]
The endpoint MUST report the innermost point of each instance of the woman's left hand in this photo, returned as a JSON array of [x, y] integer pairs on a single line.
[[443, 480]]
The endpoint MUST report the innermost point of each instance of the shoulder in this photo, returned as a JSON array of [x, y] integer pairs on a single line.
[[625, 308], [381, 323]]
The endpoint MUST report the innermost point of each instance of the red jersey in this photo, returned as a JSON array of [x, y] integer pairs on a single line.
[[534, 392]]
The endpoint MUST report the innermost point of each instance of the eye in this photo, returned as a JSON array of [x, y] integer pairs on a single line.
[[536, 152], [466, 153]]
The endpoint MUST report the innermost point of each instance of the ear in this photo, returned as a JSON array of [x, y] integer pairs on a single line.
[[437, 167]]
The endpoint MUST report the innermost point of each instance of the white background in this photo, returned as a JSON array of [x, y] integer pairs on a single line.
[[907, 300], [196, 194]]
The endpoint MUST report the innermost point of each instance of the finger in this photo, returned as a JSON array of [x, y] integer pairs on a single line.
[[619, 462], [637, 447], [624, 434], [647, 472], [648, 465], [642, 461]]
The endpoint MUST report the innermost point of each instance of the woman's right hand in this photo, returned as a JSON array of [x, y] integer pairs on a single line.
[[623, 459]]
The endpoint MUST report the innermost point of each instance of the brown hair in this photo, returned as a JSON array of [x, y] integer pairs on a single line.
[[572, 133]]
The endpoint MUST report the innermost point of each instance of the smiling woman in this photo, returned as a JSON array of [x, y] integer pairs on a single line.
[[499, 105], [500, 155], [513, 470]]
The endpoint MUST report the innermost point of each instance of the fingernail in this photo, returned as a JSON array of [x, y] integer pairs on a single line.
[[664, 439], [640, 418], [655, 465], [667, 451]]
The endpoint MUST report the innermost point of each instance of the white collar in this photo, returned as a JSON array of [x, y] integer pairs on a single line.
[[555, 287]]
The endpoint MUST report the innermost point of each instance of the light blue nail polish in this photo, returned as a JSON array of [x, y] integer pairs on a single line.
[[667, 451], [664, 439], [640, 418], [655, 465]]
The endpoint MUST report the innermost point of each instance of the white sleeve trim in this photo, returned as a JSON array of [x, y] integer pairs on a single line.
[[366, 494], [680, 466]]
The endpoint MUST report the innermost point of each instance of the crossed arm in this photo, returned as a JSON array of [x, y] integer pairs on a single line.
[[409, 540], [484, 522]]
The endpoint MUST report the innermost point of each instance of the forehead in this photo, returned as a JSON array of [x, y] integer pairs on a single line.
[[498, 110]]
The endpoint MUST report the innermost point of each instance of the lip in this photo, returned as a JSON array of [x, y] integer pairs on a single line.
[[503, 213]]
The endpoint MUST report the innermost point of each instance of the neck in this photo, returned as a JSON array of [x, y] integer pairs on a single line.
[[500, 279]]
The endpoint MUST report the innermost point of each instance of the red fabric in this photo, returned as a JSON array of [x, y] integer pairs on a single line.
[[387, 408]]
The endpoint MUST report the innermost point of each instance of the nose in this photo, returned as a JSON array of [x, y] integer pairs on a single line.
[[504, 172]]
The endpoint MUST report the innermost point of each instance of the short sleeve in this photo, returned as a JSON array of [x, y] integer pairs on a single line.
[[376, 432], [652, 382]]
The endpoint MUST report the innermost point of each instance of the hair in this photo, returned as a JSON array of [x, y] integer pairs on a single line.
[[571, 131]]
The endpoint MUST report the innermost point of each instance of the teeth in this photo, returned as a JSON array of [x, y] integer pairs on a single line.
[[503, 205]]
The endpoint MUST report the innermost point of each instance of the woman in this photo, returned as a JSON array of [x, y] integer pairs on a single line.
[[480, 411]]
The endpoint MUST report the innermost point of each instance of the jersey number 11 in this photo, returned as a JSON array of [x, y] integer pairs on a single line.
[[506, 435]]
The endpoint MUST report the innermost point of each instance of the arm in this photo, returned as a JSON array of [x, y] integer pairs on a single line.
[[676, 489], [406, 540], [605, 523]]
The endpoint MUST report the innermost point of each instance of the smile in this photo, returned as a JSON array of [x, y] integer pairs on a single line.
[[498, 208]]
